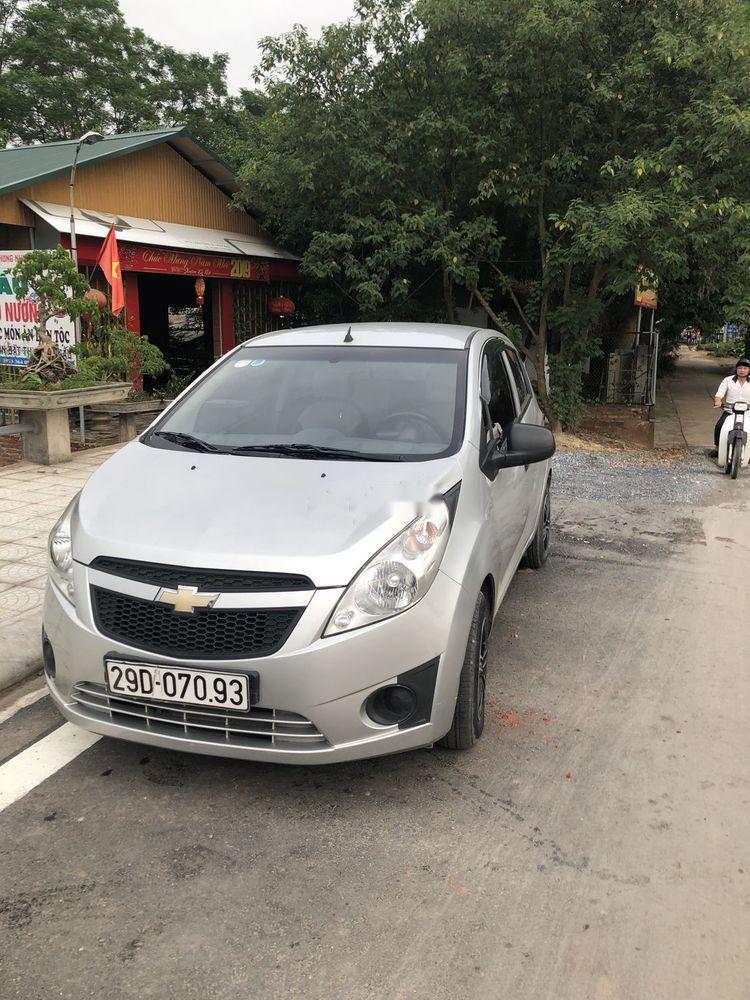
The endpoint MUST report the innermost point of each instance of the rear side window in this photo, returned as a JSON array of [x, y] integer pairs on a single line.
[[519, 377], [495, 387]]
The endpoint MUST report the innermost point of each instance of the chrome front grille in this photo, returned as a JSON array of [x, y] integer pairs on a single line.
[[259, 727]]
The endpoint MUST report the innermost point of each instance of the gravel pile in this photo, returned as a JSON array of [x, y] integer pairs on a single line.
[[634, 476]]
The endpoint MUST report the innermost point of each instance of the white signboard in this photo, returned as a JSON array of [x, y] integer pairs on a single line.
[[18, 319]]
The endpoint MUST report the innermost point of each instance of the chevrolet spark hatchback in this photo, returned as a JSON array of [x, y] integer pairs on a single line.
[[301, 559]]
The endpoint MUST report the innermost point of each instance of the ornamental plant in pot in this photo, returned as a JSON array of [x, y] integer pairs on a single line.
[[108, 358], [51, 278], [108, 351]]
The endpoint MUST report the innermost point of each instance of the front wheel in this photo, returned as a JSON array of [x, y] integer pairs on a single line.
[[736, 459], [468, 716], [536, 554]]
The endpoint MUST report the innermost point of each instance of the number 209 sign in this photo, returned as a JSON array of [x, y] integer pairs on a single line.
[[18, 319]]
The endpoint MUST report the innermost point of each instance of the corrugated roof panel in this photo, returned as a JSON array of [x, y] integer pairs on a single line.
[[22, 166], [152, 232]]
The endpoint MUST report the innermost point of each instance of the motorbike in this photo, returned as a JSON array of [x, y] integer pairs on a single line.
[[734, 447]]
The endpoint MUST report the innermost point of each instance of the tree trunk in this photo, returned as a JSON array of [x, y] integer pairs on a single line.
[[539, 357], [537, 353], [450, 309]]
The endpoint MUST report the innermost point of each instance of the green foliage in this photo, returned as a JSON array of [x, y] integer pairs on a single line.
[[88, 374], [111, 353], [536, 153], [175, 385], [67, 66], [54, 279], [724, 350], [108, 352], [55, 282], [30, 381]]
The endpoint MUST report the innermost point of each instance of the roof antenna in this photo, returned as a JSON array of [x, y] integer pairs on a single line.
[[348, 339]]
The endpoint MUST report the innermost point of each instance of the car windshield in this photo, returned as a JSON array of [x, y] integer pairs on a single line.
[[348, 402]]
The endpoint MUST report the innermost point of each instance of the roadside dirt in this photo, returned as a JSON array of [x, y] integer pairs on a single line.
[[609, 428]]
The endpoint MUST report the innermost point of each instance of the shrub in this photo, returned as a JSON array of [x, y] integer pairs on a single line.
[[721, 350]]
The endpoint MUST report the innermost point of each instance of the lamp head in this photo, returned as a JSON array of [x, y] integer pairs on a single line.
[[89, 138]]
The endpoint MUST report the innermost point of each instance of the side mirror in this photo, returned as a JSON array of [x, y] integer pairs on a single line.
[[526, 444]]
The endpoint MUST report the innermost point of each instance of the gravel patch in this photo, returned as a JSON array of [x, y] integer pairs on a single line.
[[621, 477]]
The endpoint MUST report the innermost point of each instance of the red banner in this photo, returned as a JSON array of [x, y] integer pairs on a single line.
[[156, 261]]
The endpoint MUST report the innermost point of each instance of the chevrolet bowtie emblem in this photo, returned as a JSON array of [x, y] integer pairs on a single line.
[[186, 599]]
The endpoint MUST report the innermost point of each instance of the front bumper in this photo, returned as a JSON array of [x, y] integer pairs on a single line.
[[322, 681]]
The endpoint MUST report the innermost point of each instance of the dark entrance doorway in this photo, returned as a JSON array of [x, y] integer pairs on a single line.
[[171, 320]]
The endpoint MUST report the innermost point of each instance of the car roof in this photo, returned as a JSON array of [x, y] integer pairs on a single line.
[[435, 335]]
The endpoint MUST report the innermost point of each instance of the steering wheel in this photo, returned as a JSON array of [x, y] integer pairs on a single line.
[[345, 417], [405, 416]]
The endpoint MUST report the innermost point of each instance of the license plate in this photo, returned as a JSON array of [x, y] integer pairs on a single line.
[[210, 689]]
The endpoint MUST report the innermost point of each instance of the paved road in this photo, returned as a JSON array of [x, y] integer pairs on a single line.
[[692, 387], [593, 845]]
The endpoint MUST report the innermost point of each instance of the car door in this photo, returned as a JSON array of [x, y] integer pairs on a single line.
[[508, 503], [528, 413]]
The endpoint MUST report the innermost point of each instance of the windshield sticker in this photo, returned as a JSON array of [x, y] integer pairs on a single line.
[[257, 362], [241, 364]]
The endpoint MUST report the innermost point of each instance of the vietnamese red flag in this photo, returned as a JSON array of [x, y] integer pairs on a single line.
[[109, 262]]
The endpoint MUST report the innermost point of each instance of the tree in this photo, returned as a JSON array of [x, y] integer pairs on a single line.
[[58, 288], [109, 351], [538, 154], [67, 66], [232, 128]]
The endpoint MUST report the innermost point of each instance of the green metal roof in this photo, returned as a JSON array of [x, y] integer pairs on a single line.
[[22, 166]]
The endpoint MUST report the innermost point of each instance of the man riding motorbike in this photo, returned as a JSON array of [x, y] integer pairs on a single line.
[[732, 389]]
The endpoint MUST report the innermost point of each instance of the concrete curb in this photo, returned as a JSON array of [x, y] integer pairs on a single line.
[[21, 654]]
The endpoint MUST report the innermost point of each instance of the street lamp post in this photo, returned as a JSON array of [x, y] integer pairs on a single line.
[[87, 139]]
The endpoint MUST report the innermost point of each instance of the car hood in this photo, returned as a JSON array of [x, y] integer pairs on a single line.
[[323, 519]]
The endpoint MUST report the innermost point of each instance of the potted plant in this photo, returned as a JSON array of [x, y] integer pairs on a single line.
[[51, 384]]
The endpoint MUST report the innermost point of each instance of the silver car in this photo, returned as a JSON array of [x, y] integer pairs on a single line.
[[301, 559]]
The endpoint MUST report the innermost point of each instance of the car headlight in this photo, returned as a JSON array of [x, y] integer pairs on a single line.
[[60, 552], [398, 576]]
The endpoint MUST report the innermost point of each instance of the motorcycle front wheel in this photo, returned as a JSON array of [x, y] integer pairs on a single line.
[[736, 457]]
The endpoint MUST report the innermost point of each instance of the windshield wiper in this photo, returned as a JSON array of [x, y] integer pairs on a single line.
[[310, 451], [185, 440]]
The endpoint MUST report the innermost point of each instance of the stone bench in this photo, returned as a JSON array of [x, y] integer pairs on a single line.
[[46, 433], [126, 412]]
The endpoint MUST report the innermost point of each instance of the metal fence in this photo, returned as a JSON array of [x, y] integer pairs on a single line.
[[625, 376]]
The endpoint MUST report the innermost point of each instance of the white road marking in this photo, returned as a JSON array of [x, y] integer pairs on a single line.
[[23, 702], [32, 766]]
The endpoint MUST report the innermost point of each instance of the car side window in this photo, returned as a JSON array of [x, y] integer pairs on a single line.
[[519, 376], [497, 398]]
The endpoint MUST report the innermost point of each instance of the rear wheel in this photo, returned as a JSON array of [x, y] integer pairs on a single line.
[[468, 717], [536, 555], [736, 458]]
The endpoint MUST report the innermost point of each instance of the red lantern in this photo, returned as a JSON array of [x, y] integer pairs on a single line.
[[200, 291], [93, 295], [281, 306]]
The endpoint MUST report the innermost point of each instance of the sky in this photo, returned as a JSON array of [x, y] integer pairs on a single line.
[[233, 26]]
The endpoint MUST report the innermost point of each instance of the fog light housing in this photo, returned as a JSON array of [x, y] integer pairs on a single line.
[[48, 655], [392, 705]]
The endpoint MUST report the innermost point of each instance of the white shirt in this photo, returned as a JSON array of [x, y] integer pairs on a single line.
[[731, 391]]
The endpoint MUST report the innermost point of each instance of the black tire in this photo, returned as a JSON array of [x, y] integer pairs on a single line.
[[468, 717], [536, 555], [736, 459]]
